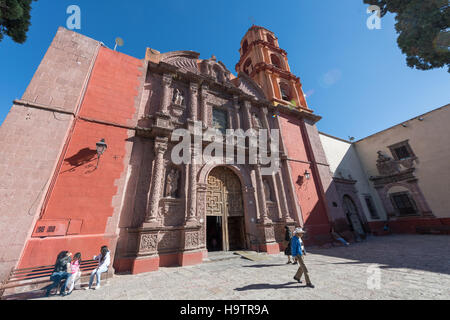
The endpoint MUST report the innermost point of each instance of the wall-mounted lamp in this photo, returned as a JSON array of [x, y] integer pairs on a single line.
[[101, 147], [307, 175], [420, 119], [404, 125]]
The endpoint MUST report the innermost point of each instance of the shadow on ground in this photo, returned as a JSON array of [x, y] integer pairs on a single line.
[[264, 265], [421, 252], [264, 286]]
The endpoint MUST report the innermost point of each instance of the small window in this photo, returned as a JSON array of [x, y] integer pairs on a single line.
[[403, 204], [402, 151], [245, 47], [247, 66], [220, 120], [270, 39], [276, 61], [285, 94]]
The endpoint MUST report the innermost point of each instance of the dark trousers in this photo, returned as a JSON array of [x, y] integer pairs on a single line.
[[56, 277]]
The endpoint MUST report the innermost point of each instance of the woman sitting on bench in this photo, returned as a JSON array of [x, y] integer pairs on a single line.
[[103, 263], [61, 272]]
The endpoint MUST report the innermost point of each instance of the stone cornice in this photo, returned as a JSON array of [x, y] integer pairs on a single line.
[[344, 181], [403, 176], [262, 66], [230, 89]]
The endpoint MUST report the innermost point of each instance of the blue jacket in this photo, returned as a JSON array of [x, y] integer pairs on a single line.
[[296, 247]]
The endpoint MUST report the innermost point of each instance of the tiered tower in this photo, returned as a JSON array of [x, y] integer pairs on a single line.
[[267, 64]]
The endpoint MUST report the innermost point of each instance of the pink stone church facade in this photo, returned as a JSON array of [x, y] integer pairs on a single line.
[[57, 194]]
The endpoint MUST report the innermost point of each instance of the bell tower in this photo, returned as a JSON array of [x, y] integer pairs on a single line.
[[262, 59]]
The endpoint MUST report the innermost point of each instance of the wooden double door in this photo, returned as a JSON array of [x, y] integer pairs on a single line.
[[225, 228]]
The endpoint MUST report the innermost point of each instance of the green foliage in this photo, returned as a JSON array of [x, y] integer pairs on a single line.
[[15, 19], [423, 28]]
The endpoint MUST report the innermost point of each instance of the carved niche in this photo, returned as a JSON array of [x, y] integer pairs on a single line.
[[267, 191], [172, 183], [178, 97]]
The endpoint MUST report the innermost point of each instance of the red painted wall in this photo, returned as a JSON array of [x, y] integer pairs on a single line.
[[408, 225], [83, 193], [311, 203]]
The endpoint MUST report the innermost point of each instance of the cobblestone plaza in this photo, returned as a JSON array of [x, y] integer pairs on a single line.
[[410, 267]]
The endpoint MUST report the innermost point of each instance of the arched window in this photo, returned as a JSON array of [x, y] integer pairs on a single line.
[[275, 61], [270, 39], [285, 92], [245, 47], [247, 66]]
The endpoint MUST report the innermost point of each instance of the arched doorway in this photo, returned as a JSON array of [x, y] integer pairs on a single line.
[[225, 225], [353, 217]]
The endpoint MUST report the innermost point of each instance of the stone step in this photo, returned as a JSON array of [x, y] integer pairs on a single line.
[[220, 256]]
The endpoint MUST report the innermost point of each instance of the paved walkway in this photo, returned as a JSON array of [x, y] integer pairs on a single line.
[[390, 267]]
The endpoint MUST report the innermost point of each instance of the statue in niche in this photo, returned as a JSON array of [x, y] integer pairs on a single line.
[[178, 97], [172, 183], [267, 191], [256, 121]]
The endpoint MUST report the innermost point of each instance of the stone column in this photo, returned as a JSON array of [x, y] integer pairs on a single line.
[[194, 101], [192, 212], [261, 195], [157, 179], [248, 116], [237, 117], [284, 207], [205, 105], [265, 122], [166, 96], [419, 198]]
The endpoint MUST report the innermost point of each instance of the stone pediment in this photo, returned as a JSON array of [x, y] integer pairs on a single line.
[[186, 61], [216, 70], [250, 87]]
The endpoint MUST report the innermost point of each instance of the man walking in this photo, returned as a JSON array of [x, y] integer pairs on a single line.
[[298, 251]]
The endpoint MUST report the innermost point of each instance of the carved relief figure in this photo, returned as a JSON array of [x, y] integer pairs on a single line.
[[386, 166], [256, 121], [178, 97], [172, 183]]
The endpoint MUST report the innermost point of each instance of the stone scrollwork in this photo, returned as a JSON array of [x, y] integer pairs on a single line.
[[192, 240], [149, 242]]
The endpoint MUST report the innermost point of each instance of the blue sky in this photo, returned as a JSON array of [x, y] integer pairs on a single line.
[[355, 78]]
